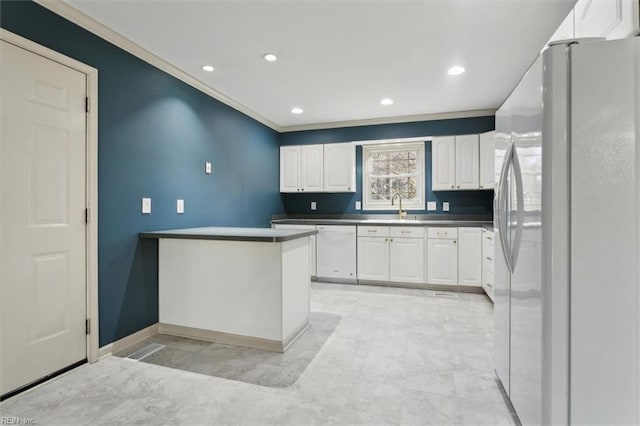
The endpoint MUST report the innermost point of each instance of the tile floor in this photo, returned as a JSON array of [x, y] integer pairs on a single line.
[[396, 357]]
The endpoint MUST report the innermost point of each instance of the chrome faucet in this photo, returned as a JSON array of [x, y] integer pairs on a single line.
[[401, 214]]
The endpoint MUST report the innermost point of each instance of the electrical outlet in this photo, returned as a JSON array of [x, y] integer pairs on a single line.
[[445, 206], [358, 205], [432, 205], [146, 205], [207, 167], [313, 205], [180, 206]]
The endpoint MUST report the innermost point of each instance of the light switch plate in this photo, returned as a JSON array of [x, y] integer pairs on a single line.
[[180, 206], [207, 167], [358, 205], [432, 205], [313, 205], [146, 205], [445, 206]]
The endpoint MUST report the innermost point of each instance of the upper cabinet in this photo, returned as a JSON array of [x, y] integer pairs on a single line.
[[612, 19], [318, 168], [340, 167], [290, 169], [487, 159], [467, 162], [443, 164], [457, 163]]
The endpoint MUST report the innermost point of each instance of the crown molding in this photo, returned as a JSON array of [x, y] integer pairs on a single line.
[[389, 120], [83, 20]]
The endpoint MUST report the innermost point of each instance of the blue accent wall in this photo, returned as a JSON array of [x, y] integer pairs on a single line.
[[155, 134], [461, 202]]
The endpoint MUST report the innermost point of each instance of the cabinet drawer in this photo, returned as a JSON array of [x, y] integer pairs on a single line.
[[407, 231], [443, 233], [373, 231]]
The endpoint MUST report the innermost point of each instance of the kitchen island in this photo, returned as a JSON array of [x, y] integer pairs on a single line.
[[239, 286]]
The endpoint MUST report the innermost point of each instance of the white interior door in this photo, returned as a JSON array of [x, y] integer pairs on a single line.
[[42, 217]]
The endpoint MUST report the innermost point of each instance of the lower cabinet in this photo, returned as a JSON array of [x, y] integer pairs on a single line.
[[312, 243], [391, 254], [442, 260], [336, 251], [470, 256], [488, 254]]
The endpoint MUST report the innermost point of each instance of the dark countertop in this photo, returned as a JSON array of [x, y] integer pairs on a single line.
[[385, 220], [231, 234]]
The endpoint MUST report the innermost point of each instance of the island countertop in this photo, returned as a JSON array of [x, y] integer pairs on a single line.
[[269, 235]]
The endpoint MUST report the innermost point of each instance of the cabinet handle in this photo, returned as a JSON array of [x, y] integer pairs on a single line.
[[452, 186], [302, 189], [349, 188], [481, 186], [489, 285], [458, 186], [405, 232], [386, 239], [371, 230], [454, 241], [488, 258]]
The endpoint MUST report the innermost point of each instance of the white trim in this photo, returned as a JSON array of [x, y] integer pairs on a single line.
[[389, 120], [88, 23], [368, 204], [393, 141], [130, 340], [91, 177]]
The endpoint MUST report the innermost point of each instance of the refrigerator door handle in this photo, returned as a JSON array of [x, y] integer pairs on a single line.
[[517, 172], [501, 208]]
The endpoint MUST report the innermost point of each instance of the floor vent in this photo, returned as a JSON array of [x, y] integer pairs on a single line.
[[141, 354], [443, 294]]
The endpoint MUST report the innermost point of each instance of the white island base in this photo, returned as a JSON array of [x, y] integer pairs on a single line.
[[244, 293]]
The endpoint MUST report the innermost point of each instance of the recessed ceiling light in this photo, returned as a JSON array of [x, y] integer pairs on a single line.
[[296, 110], [270, 57], [456, 70], [208, 68], [386, 101]]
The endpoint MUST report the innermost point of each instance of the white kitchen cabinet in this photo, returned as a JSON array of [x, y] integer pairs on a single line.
[[612, 19], [373, 258], [488, 254], [312, 242], [290, 168], [312, 168], [487, 159], [467, 162], [406, 260], [470, 256], [336, 251], [391, 253], [340, 167], [455, 162], [442, 256], [443, 163], [302, 168], [565, 31]]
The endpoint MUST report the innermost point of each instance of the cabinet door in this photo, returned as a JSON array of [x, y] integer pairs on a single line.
[[442, 262], [468, 162], [470, 256], [565, 31], [612, 19], [339, 167], [406, 260], [311, 168], [373, 258], [443, 163], [487, 159], [289, 169], [336, 251]]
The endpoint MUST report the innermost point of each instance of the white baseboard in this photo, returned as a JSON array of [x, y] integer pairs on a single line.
[[130, 340]]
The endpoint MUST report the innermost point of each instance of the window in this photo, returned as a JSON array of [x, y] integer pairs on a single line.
[[391, 169]]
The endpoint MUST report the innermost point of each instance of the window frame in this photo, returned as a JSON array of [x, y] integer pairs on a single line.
[[419, 203]]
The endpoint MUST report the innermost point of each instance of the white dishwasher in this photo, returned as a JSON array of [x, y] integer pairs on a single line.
[[336, 252]]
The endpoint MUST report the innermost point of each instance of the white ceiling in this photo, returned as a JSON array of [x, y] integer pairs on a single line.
[[337, 59]]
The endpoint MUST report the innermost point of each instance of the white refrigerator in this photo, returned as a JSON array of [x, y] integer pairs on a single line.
[[567, 224]]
